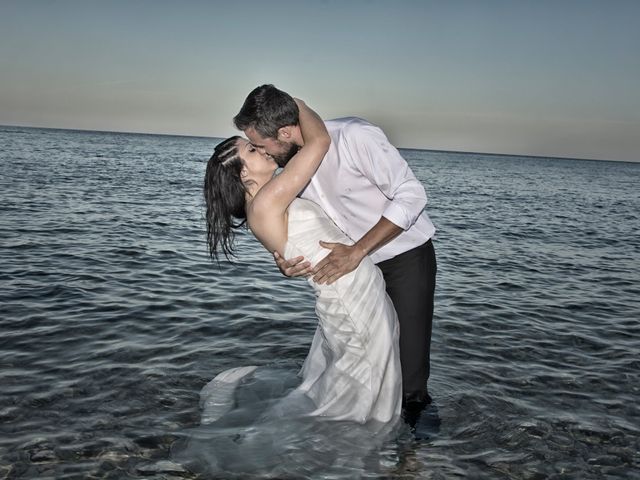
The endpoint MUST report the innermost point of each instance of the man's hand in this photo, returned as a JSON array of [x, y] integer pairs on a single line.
[[295, 267], [342, 260]]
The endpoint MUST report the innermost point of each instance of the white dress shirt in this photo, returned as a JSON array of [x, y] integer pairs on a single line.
[[364, 177]]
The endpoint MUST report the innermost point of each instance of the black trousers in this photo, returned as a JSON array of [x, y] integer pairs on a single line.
[[411, 281]]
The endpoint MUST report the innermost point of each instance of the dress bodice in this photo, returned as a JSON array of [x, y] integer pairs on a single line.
[[307, 224]]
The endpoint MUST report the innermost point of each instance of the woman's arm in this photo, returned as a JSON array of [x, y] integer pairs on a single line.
[[283, 189], [267, 213]]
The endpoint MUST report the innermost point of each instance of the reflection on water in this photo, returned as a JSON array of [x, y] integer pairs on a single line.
[[256, 425], [113, 318]]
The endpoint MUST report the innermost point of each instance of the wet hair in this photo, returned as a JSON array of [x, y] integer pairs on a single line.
[[267, 109], [224, 195]]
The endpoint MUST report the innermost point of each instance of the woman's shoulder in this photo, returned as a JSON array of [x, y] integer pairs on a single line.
[[268, 224]]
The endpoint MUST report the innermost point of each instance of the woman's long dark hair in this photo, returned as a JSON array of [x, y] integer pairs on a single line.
[[224, 195]]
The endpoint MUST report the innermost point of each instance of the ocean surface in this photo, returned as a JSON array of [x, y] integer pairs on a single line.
[[113, 318]]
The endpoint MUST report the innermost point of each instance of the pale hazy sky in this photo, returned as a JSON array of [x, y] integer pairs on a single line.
[[536, 77]]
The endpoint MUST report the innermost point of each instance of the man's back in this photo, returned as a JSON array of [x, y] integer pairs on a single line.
[[364, 177]]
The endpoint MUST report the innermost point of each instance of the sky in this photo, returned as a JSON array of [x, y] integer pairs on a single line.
[[527, 77]]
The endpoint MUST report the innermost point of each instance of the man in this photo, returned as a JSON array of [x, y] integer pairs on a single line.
[[369, 191]]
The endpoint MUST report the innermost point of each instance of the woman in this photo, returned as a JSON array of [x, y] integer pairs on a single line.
[[352, 371]]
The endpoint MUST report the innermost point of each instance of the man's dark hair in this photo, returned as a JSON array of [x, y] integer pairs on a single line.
[[267, 109]]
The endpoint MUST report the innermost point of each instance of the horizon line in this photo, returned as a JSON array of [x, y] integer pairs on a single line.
[[464, 152]]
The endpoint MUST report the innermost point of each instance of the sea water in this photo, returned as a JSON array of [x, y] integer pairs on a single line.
[[113, 318]]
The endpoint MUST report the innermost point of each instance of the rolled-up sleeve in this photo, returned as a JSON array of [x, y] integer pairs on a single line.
[[377, 159]]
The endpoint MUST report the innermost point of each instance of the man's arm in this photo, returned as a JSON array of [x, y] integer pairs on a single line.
[[294, 267], [383, 165], [378, 160], [344, 258]]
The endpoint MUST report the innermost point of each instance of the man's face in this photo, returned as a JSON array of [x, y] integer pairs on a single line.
[[279, 150]]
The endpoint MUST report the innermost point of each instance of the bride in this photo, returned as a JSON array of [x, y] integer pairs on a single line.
[[352, 372]]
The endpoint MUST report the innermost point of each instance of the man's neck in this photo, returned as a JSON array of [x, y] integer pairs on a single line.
[[296, 136]]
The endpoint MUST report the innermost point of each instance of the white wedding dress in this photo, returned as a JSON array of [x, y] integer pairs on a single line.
[[348, 401], [352, 371]]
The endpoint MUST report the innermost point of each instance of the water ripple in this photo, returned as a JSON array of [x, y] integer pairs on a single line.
[[113, 317]]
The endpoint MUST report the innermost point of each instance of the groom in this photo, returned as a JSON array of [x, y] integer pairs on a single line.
[[370, 192]]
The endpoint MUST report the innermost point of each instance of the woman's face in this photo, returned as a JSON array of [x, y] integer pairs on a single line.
[[257, 164]]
